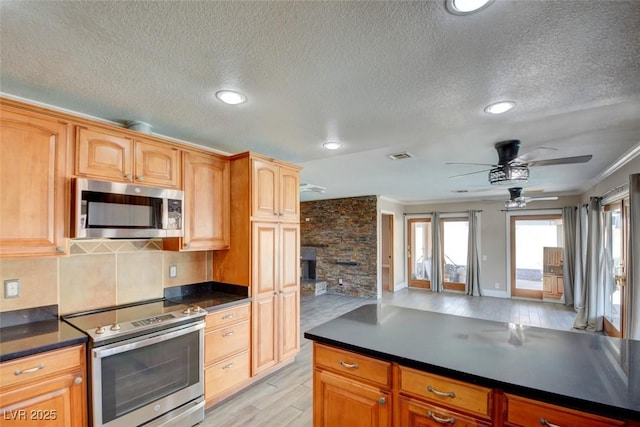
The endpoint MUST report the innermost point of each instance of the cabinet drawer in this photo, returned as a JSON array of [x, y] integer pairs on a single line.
[[416, 413], [352, 364], [30, 368], [527, 412], [444, 391], [223, 375], [227, 316], [226, 341]]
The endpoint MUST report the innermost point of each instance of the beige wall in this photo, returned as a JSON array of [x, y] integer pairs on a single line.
[[101, 273]]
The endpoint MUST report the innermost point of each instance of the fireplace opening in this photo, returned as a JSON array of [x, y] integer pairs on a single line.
[[308, 263]]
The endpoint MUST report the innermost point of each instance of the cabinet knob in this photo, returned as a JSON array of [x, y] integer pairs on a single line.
[[186, 245], [77, 380], [60, 249], [140, 177], [127, 176], [382, 401]]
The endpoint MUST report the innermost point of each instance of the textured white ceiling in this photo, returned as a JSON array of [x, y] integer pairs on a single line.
[[381, 77]]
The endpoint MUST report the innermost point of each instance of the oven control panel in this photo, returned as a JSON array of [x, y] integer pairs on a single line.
[[152, 320]]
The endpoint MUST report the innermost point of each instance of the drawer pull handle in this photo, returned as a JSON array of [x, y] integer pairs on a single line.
[[28, 371], [229, 366], [544, 422], [228, 334], [441, 393], [349, 365], [437, 419], [228, 316]]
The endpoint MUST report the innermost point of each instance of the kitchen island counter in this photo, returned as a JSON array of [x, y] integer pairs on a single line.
[[582, 371]]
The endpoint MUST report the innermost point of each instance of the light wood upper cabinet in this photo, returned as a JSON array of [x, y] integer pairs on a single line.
[[34, 191], [207, 204], [275, 193], [111, 156], [53, 395], [157, 165]]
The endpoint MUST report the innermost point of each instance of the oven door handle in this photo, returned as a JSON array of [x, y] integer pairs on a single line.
[[139, 342]]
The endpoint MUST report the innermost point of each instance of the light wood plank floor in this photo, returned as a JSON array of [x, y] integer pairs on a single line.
[[285, 398]]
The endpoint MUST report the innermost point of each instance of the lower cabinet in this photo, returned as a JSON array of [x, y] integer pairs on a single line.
[[524, 412], [45, 389], [350, 389], [226, 351], [552, 286]]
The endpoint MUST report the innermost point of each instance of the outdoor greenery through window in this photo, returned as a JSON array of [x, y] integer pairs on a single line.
[[455, 238]]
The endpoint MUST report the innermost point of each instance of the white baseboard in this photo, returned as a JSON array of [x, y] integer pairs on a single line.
[[399, 286], [494, 293]]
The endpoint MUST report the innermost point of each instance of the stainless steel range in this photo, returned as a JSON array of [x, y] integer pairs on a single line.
[[146, 362]]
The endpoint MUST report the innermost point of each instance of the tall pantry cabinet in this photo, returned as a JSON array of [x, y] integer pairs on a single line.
[[264, 254]]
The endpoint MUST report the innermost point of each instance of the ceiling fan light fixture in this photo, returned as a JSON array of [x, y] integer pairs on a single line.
[[332, 145], [515, 204], [465, 7], [231, 97], [508, 175], [499, 107]]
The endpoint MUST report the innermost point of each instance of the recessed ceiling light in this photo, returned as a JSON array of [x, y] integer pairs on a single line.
[[464, 7], [499, 107], [231, 97], [332, 145]]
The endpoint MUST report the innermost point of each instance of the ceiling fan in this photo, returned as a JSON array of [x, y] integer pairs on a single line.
[[513, 169], [518, 201]]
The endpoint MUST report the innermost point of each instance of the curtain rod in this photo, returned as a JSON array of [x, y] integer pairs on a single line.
[[431, 213], [530, 210]]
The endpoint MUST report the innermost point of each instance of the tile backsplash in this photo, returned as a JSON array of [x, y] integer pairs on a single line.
[[100, 273]]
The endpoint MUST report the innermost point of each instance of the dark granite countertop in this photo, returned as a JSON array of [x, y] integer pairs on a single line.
[[584, 371], [211, 296], [31, 331]]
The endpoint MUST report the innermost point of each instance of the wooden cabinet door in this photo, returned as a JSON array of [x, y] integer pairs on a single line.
[[264, 194], [103, 155], [342, 402], [207, 202], [157, 165], [414, 413], [289, 290], [58, 401], [289, 194], [265, 335], [33, 195], [265, 295]]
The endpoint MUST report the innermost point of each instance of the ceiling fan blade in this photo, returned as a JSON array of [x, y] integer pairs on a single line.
[[562, 161], [470, 173], [540, 199], [473, 164], [536, 152]]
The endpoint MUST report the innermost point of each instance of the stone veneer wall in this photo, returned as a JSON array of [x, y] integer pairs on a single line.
[[343, 231]]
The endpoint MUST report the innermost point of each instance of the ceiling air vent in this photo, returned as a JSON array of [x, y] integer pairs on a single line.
[[313, 188], [400, 156]]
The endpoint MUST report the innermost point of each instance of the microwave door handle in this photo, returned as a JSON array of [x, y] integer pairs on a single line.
[[136, 343], [165, 214]]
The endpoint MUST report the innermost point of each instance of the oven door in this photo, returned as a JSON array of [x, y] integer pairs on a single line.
[[137, 380]]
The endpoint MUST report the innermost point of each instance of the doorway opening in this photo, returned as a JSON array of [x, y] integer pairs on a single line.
[[387, 253]]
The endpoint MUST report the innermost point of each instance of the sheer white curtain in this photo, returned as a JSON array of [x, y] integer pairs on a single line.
[[580, 256], [591, 311], [473, 256], [633, 273], [436, 250], [569, 255]]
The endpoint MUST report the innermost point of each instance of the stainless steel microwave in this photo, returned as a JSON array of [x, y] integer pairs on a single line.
[[120, 210]]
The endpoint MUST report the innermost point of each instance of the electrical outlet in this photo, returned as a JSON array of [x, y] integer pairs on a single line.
[[173, 271], [339, 281], [12, 288], [497, 285]]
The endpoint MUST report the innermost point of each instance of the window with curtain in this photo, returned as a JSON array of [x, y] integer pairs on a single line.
[[616, 217], [419, 252], [455, 240]]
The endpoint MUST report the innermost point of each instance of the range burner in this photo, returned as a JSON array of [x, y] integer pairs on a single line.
[[120, 322]]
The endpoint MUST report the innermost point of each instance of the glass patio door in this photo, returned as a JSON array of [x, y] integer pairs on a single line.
[[419, 252], [616, 217]]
